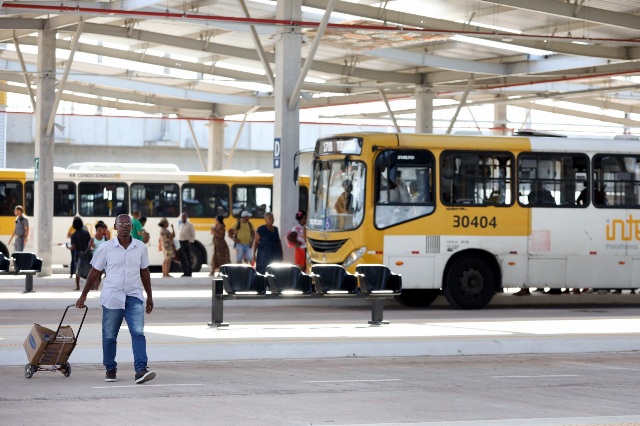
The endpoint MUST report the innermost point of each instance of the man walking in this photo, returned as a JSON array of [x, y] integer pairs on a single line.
[[126, 263], [242, 234], [187, 237], [21, 230]]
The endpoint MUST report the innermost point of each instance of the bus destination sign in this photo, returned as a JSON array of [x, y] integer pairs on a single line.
[[347, 146]]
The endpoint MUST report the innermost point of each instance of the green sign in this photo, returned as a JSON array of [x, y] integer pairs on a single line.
[[36, 169]]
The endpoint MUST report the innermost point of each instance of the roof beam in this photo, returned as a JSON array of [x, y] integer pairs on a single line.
[[250, 54], [190, 66], [131, 4], [138, 86], [534, 66], [152, 60], [588, 115], [21, 24], [436, 61], [569, 10], [620, 68], [54, 23], [553, 64], [608, 103]]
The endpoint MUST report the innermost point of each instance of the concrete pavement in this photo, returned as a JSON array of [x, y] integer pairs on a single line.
[[300, 337]]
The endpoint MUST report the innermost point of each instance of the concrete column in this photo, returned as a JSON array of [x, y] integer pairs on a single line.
[[215, 153], [424, 109], [287, 121], [500, 119], [44, 149], [3, 129]]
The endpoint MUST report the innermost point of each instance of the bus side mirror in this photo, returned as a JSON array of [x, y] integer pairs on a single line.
[[296, 167]]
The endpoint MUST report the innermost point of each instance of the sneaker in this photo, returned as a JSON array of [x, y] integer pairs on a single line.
[[144, 376], [110, 376]]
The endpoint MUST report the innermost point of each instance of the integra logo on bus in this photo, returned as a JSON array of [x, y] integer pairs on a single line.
[[624, 230]]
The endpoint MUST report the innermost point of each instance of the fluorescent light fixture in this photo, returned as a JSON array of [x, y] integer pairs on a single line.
[[491, 27], [500, 45]]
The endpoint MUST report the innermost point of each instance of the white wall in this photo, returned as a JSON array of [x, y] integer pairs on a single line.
[[158, 140]]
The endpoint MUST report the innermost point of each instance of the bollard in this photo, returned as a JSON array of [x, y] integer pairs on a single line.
[[217, 307], [377, 312], [28, 283]]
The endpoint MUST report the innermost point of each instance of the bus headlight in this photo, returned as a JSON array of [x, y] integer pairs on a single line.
[[354, 256]]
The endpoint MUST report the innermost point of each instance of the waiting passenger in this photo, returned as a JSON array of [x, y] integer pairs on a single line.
[[599, 199], [583, 198], [539, 195]]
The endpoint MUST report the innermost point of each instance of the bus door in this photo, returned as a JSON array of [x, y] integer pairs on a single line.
[[404, 201], [549, 187], [616, 199]]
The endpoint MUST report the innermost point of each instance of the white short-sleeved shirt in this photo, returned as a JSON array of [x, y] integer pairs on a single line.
[[122, 267]]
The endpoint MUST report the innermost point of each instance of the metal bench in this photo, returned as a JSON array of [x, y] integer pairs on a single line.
[[377, 283], [24, 263]]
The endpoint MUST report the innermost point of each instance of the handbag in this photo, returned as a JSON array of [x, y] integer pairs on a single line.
[[176, 250], [84, 263]]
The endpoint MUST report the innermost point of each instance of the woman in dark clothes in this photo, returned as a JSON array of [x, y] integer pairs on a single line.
[[267, 244]]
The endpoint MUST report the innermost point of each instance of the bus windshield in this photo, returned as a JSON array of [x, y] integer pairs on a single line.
[[336, 202]]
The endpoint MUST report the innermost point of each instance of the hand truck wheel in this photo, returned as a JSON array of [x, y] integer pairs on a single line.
[[29, 369], [66, 369]]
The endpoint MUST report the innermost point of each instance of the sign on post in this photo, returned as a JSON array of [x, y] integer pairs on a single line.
[[36, 169], [277, 150]]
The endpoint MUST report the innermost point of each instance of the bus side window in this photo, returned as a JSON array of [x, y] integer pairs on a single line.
[[403, 189], [552, 179], [476, 178], [617, 180], [155, 199], [205, 200], [254, 199], [10, 197], [64, 199], [103, 199]]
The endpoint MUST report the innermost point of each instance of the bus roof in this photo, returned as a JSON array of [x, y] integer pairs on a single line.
[[482, 142], [123, 167]]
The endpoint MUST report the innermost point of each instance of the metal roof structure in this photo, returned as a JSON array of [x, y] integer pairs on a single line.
[[202, 58]]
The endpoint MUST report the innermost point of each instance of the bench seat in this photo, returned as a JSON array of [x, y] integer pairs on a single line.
[[24, 263], [237, 281]]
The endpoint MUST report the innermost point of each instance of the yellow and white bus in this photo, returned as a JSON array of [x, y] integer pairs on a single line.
[[101, 191], [467, 216]]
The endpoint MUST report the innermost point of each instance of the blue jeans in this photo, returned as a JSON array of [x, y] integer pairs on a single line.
[[243, 251], [133, 312]]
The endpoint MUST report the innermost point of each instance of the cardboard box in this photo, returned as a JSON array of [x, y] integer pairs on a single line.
[[36, 343]]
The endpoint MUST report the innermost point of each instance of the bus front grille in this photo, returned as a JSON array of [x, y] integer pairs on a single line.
[[326, 246]]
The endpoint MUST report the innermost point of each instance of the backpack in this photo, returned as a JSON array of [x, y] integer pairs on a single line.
[[236, 228], [292, 239]]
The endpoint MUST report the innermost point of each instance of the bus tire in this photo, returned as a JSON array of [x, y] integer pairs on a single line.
[[414, 298], [469, 283], [198, 254], [4, 249]]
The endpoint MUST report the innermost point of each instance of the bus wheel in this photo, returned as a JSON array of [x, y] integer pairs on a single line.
[[417, 298], [470, 283], [4, 250], [197, 258]]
